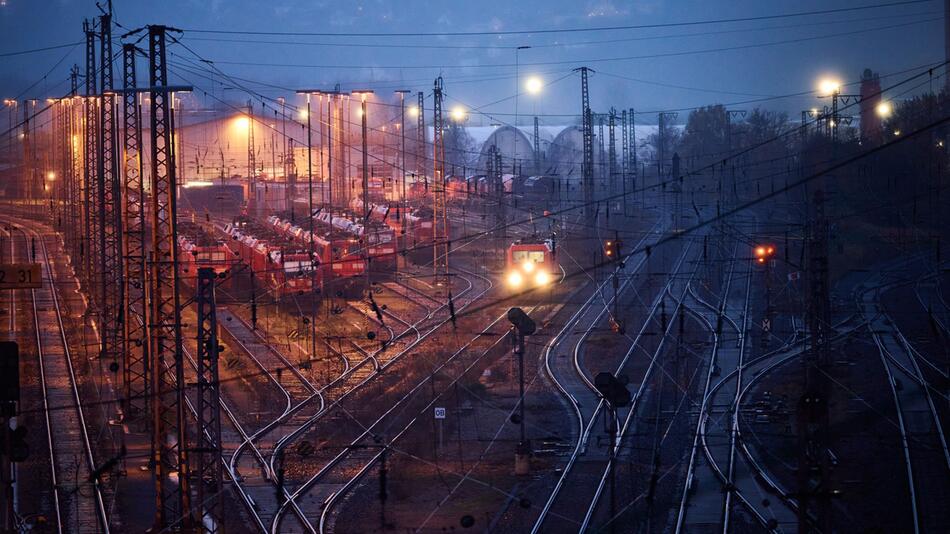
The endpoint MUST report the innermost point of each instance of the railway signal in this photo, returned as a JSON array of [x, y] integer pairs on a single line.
[[764, 253], [521, 326]]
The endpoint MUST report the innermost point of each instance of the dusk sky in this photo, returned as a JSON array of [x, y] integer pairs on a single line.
[[670, 67]]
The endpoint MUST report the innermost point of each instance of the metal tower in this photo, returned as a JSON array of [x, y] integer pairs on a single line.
[[207, 474], [169, 433], [537, 147], [588, 135], [90, 165], [251, 160], [612, 150], [135, 367], [109, 204], [814, 469], [421, 137], [74, 197], [624, 154], [602, 153], [440, 230]]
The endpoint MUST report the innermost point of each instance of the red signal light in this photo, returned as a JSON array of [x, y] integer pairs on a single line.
[[763, 252]]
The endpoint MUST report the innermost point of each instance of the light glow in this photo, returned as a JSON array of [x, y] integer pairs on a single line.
[[514, 279], [534, 85], [884, 109], [458, 114], [542, 278], [242, 123], [528, 266], [828, 87], [414, 111]]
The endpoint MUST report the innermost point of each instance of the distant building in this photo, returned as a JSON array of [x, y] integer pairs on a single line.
[[871, 127]]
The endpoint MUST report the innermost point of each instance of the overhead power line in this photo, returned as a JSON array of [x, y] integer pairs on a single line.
[[570, 30]]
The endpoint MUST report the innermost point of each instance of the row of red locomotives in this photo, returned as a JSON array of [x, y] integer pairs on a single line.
[[412, 226], [283, 266], [339, 253], [199, 248]]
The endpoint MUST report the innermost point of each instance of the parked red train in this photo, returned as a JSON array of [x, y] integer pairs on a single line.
[[378, 239], [412, 225], [198, 248], [281, 263], [338, 252]]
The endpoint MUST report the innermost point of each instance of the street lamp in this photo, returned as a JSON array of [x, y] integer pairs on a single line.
[[402, 168], [884, 110], [313, 270], [828, 87], [518, 80], [363, 94], [533, 85]]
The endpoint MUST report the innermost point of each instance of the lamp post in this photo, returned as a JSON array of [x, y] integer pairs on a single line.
[[402, 167], [363, 94], [518, 79], [313, 270]]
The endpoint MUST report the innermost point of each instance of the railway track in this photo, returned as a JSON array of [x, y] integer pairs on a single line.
[[571, 379], [926, 456], [383, 433], [278, 434], [77, 494]]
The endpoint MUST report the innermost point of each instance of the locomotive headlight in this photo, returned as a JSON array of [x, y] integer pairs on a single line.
[[514, 279], [542, 278], [528, 266]]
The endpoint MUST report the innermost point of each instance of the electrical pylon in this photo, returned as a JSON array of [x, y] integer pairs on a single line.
[[251, 161], [169, 434], [440, 230], [207, 474], [135, 367], [421, 137], [89, 167], [587, 132], [110, 207]]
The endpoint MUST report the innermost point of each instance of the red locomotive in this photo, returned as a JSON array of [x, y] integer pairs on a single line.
[[378, 239], [283, 265], [338, 252], [198, 248], [531, 262], [413, 226]]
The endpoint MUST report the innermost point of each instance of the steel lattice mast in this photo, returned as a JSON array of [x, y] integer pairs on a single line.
[[251, 160], [612, 150], [110, 206], [74, 198], [169, 433], [421, 136], [208, 462], [135, 367], [588, 136], [537, 147], [440, 231], [624, 155], [89, 156]]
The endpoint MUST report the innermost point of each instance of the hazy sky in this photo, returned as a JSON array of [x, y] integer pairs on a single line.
[[674, 67]]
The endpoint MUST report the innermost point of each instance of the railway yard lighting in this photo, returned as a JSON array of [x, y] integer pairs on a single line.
[[884, 110], [458, 114], [534, 85], [828, 87]]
